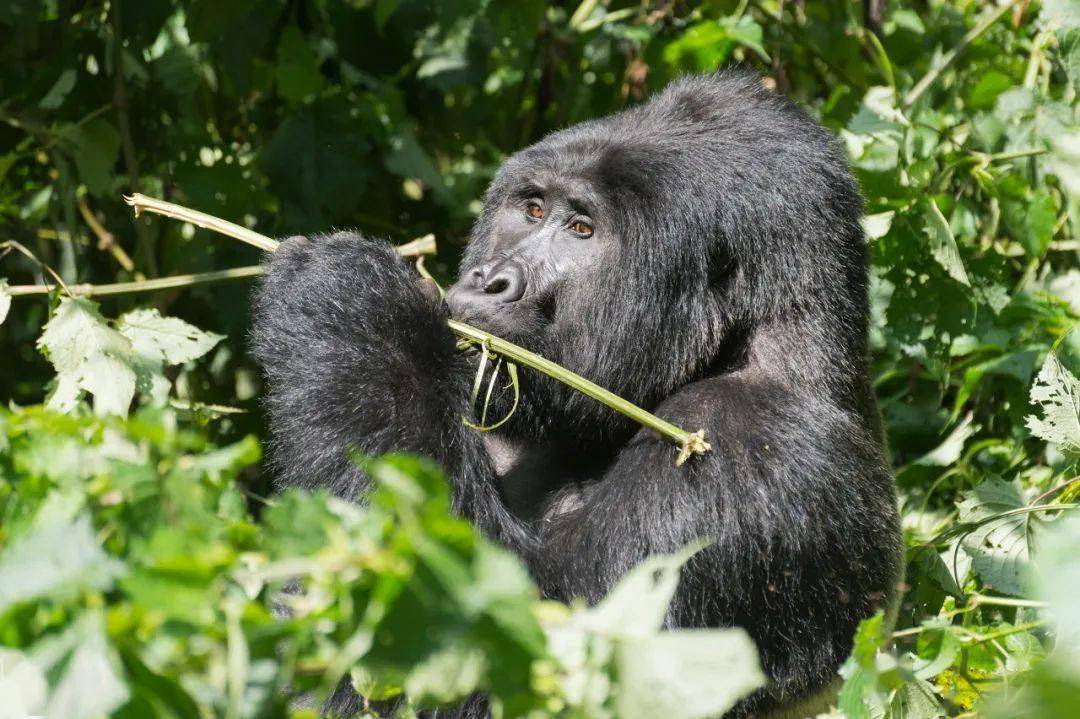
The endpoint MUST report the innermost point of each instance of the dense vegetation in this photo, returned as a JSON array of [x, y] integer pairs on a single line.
[[140, 556]]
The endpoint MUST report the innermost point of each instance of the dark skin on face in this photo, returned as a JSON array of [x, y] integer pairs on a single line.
[[548, 232]]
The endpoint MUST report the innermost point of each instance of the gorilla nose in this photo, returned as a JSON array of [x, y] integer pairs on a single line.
[[505, 282], [497, 284]]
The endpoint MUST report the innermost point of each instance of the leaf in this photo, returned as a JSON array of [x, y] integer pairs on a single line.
[[943, 243], [5, 300], [95, 147], [1059, 581], [383, 10], [297, 74], [859, 672], [951, 448], [1063, 17], [86, 681], [877, 226], [1000, 549], [22, 686], [56, 95], [88, 355], [166, 339], [638, 604], [58, 560], [1056, 391], [685, 674]]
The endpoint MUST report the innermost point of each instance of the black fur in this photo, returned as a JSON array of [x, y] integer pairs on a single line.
[[734, 300]]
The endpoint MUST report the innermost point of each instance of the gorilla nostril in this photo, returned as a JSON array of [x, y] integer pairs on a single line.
[[497, 286], [505, 282]]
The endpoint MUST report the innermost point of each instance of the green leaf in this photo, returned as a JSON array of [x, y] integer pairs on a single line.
[[859, 691], [707, 45], [59, 91], [638, 604], [1056, 391], [1063, 17], [685, 674], [383, 10], [58, 560], [95, 147], [297, 75], [86, 679], [23, 686], [166, 339], [942, 243], [877, 225], [1000, 549], [88, 355]]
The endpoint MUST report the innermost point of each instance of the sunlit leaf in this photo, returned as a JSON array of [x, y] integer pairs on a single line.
[[88, 355], [1056, 391]]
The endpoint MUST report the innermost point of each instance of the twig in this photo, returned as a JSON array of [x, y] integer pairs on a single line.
[[9, 245], [106, 240], [151, 285], [950, 57], [981, 600], [690, 443], [208, 222]]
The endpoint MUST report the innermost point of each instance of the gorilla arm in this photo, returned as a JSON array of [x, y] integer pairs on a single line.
[[358, 356], [798, 554]]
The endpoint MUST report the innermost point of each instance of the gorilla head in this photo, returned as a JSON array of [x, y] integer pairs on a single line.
[[714, 227]]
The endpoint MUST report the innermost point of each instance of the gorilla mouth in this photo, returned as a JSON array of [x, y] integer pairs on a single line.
[[518, 322]]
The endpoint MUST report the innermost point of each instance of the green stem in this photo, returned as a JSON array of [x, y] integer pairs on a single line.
[[690, 443], [208, 222], [152, 285], [950, 57], [979, 600]]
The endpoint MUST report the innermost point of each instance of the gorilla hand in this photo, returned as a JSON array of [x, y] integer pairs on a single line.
[[357, 354]]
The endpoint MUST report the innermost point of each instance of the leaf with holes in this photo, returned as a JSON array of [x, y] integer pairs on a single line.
[[1057, 392]]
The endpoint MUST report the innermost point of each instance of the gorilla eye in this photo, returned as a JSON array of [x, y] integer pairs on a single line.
[[534, 211], [582, 228]]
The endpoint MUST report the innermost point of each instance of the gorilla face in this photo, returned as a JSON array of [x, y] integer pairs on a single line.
[[550, 231]]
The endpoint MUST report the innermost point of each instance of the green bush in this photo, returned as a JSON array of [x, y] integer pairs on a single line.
[[140, 556]]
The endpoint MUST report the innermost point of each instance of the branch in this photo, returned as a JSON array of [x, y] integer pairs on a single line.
[[690, 443], [208, 222], [950, 57], [152, 285], [106, 240]]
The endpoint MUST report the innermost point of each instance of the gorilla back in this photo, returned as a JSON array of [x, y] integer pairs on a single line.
[[700, 255]]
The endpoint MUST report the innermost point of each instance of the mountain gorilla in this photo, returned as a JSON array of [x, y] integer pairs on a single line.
[[699, 255]]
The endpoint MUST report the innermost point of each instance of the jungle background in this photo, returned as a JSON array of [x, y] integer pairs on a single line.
[[141, 549]]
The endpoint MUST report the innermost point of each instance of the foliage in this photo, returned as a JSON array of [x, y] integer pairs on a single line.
[[961, 121], [134, 582]]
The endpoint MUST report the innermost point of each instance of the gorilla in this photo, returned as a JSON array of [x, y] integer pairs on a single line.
[[700, 255]]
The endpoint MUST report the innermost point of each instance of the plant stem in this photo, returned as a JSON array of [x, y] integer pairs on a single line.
[[143, 203], [980, 600], [152, 285], [690, 443], [950, 57]]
